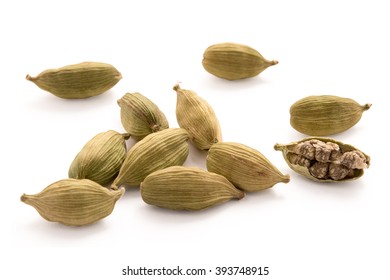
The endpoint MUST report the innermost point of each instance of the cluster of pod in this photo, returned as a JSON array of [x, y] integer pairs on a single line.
[[154, 164], [103, 167]]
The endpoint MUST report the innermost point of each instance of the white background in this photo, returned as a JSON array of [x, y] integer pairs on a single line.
[[300, 230]]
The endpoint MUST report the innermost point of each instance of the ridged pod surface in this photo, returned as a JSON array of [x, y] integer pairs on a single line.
[[156, 151], [78, 81], [187, 188], [324, 159], [245, 167], [140, 116], [195, 115], [101, 158], [234, 61], [74, 202], [322, 115]]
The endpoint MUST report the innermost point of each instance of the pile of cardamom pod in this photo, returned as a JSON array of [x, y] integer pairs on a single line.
[[103, 168]]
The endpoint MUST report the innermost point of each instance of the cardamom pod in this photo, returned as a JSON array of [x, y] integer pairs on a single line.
[[74, 202], [156, 151], [324, 115], [187, 188], [77, 81], [195, 115], [324, 159], [101, 158], [245, 167], [233, 61], [140, 116]]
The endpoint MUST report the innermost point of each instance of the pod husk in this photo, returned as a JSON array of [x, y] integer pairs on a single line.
[[74, 202], [232, 61], [140, 116], [245, 167], [78, 81], [323, 115], [187, 188]]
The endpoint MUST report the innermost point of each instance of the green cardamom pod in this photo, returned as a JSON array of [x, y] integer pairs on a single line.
[[324, 159], [324, 115], [156, 151], [233, 61], [140, 116], [245, 167], [74, 202], [195, 115], [101, 158], [187, 188], [77, 81]]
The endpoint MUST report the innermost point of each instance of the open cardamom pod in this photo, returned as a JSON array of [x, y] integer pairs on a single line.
[[187, 188], [77, 81], [324, 159], [74, 202]]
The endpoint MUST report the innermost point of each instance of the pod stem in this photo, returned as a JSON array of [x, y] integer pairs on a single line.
[[279, 147], [29, 78], [176, 87], [26, 198], [241, 196], [120, 193], [285, 178], [126, 135], [367, 106]]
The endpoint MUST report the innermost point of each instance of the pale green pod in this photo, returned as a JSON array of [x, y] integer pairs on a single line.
[[195, 115], [156, 151], [187, 188], [78, 81], [244, 166], [101, 158], [74, 202], [140, 116], [340, 162], [322, 115], [233, 61]]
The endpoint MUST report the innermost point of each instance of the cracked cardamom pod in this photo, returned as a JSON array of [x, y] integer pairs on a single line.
[[77, 81], [245, 167], [74, 202], [156, 151], [324, 159], [195, 115], [233, 61], [324, 115], [101, 158], [140, 116], [187, 188]]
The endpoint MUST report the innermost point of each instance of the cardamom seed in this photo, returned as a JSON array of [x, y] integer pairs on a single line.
[[74, 202], [324, 115], [77, 81], [140, 116], [195, 115], [101, 158], [245, 167], [324, 159], [233, 61], [187, 188], [156, 151]]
